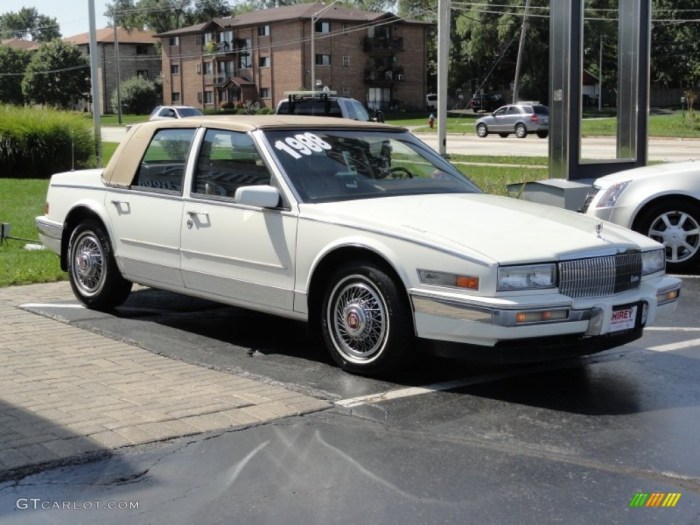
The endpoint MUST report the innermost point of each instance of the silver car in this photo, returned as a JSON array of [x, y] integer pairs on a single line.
[[660, 201], [522, 118]]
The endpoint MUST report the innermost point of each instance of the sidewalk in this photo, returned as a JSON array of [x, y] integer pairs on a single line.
[[67, 393]]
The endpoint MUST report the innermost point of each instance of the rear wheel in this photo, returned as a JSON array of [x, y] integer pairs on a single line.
[[503, 135], [677, 227], [482, 130], [520, 131], [366, 322], [543, 134], [94, 276]]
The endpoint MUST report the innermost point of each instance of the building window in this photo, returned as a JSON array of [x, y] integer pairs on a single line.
[[264, 30], [264, 62], [346, 28], [174, 40], [208, 97], [346, 61], [208, 68], [265, 93], [141, 49], [323, 27], [323, 60], [199, 69], [244, 61], [175, 97], [142, 73], [198, 40], [346, 92], [174, 69]]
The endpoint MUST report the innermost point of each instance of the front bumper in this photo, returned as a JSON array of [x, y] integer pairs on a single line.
[[493, 322], [50, 233]]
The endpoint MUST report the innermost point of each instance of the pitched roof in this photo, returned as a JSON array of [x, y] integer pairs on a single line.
[[106, 36], [290, 12], [19, 43]]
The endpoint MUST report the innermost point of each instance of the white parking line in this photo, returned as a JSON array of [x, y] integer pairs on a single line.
[[675, 346], [670, 329], [49, 305]]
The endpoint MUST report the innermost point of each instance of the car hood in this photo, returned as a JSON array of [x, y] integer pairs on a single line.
[[649, 172], [500, 229]]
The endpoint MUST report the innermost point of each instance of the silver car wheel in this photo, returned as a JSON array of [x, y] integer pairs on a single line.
[[358, 319], [88, 268], [679, 232]]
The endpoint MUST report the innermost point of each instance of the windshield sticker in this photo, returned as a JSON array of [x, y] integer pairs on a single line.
[[302, 144]]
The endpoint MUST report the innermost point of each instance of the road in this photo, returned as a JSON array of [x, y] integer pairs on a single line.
[[565, 442], [660, 149]]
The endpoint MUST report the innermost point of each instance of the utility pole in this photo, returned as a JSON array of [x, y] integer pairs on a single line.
[[94, 79], [119, 81], [521, 47], [444, 10]]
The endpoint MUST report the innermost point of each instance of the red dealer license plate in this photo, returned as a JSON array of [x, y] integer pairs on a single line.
[[623, 318]]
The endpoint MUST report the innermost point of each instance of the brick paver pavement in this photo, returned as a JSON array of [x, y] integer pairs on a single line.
[[66, 392]]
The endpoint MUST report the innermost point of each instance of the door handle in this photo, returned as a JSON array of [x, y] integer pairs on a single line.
[[122, 206], [200, 218]]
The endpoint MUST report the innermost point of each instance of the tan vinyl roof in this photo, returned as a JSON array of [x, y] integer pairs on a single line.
[[127, 158]]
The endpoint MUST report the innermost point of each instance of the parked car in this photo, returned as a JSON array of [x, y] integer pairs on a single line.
[[322, 104], [431, 101], [661, 201], [359, 229], [174, 112], [485, 102], [522, 119]]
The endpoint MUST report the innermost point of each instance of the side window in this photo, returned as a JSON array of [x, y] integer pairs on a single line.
[[227, 160], [500, 113], [162, 168]]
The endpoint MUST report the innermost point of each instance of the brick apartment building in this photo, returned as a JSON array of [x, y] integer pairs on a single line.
[[377, 58], [138, 56]]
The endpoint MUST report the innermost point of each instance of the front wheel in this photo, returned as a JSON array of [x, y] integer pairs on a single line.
[[520, 131], [677, 227], [482, 130], [367, 325], [94, 276]]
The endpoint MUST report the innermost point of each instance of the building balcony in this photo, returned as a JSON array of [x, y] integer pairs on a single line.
[[217, 80], [218, 48], [382, 44], [384, 76]]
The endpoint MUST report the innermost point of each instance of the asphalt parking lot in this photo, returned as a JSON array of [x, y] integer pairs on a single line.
[[572, 441]]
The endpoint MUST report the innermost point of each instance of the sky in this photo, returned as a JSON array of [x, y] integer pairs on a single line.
[[72, 15]]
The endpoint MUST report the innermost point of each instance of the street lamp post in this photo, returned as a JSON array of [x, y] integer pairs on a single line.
[[314, 19]]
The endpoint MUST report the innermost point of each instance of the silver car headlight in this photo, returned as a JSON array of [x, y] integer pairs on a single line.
[[609, 198], [527, 277], [653, 261]]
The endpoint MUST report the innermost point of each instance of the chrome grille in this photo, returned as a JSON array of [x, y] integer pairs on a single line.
[[600, 276]]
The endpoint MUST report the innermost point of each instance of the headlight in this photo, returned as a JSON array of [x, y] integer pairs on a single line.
[[653, 261], [611, 195], [531, 277]]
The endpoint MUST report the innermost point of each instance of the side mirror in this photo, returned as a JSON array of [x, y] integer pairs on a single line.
[[262, 196]]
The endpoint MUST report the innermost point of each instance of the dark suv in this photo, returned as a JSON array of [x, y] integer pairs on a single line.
[[486, 102], [323, 104]]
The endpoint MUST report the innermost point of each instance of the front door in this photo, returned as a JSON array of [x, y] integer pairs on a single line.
[[241, 253]]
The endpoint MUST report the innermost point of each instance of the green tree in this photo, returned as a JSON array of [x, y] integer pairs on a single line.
[[13, 63], [57, 74], [28, 24], [138, 96], [165, 15], [675, 41]]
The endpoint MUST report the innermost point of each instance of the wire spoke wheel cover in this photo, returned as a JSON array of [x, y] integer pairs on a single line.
[[88, 263], [358, 318]]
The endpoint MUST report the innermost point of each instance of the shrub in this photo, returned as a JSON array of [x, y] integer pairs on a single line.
[[139, 96], [35, 143]]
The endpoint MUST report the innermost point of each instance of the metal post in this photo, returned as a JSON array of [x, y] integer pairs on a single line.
[[119, 82], [94, 79], [444, 10]]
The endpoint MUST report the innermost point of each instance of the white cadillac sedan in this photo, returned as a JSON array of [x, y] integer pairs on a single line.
[[358, 228], [661, 201]]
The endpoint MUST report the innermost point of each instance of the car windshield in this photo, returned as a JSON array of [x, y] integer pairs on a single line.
[[326, 165]]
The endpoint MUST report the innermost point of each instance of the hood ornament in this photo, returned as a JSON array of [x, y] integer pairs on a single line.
[[599, 229]]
